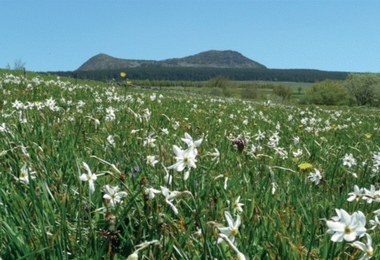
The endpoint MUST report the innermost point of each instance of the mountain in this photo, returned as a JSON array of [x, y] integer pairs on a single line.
[[214, 59], [207, 59]]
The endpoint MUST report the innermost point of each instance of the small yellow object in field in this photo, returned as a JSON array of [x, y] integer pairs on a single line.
[[123, 74], [368, 136], [304, 166]]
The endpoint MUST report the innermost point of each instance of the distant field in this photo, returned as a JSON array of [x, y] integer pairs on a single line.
[[295, 85], [235, 87]]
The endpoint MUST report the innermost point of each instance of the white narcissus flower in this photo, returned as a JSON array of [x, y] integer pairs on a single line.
[[168, 178], [17, 104], [297, 153], [26, 174], [356, 194], [133, 256], [151, 192], [146, 114], [233, 227], [170, 195], [110, 114], [296, 140], [259, 136], [315, 177], [346, 227], [3, 128], [90, 177], [371, 195], [376, 159], [349, 160], [111, 140], [149, 141], [377, 212], [366, 248], [192, 144], [169, 199], [135, 131], [175, 125], [165, 131], [151, 160], [237, 205], [374, 223], [215, 154], [185, 158], [113, 195], [186, 174]]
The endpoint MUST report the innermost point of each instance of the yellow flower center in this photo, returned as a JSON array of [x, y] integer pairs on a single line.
[[234, 232], [347, 230]]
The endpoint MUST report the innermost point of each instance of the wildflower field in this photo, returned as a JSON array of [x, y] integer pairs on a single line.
[[90, 171]]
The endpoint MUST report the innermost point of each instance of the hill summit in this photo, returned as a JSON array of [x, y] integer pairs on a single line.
[[207, 59]]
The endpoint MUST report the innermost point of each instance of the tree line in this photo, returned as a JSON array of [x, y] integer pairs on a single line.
[[204, 74], [357, 89]]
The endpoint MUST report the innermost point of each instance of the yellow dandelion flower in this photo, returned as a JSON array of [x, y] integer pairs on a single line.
[[305, 166], [368, 136], [123, 74]]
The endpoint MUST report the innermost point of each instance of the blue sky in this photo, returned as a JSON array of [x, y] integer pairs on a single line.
[[60, 35]]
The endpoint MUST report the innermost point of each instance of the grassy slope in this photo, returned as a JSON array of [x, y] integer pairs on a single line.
[[55, 215]]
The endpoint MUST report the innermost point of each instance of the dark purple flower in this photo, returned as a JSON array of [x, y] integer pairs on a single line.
[[239, 143]]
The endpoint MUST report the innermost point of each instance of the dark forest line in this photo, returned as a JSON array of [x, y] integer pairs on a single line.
[[204, 74]]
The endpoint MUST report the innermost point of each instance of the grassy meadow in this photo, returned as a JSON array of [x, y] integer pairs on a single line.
[[93, 171]]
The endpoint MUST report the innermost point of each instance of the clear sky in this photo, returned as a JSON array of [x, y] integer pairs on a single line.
[[60, 35]]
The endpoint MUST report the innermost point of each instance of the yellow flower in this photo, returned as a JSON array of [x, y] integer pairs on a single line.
[[123, 74], [304, 166], [368, 136]]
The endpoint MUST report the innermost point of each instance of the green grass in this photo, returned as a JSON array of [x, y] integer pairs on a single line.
[[55, 216]]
